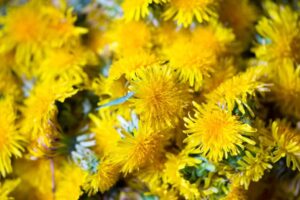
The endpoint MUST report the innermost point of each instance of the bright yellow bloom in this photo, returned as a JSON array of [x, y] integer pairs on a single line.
[[237, 90], [195, 56], [158, 98], [172, 175], [216, 132], [66, 64], [191, 61], [214, 37], [287, 143], [280, 32], [152, 175], [127, 42], [224, 71], [138, 149], [106, 176], [33, 27], [10, 139], [286, 89], [7, 187], [69, 181], [105, 129], [184, 11], [10, 84], [127, 65], [39, 113], [136, 9], [109, 88], [251, 168]]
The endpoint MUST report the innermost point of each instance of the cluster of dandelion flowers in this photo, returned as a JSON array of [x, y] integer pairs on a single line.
[[149, 99]]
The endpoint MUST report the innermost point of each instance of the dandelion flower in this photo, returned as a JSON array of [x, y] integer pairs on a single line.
[[286, 90], [106, 176], [33, 27], [238, 89], [215, 37], [129, 64], [184, 12], [66, 64], [10, 139], [136, 9], [138, 149], [104, 126], [280, 34], [109, 88], [225, 70], [158, 98], [251, 168], [191, 61], [39, 113], [127, 42], [287, 143], [172, 174], [216, 132], [10, 84]]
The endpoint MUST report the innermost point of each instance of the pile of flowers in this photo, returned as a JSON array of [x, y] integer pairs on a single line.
[[149, 99]]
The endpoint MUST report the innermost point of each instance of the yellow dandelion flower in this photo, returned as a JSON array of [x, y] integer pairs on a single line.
[[158, 97], [69, 181], [242, 20], [165, 34], [127, 42], [129, 64], [286, 90], [7, 187], [109, 88], [39, 113], [23, 27], [225, 70], [287, 143], [191, 60], [104, 128], [62, 30], [280, 34], [216, 132], [34, 26], [184, 12], [106, 176], [172, 175], [214, 37], [10, 139], [136, 9], [237, 89], [252, 168], [66, 64], [10, 84], [152, 177], [138, 149]]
